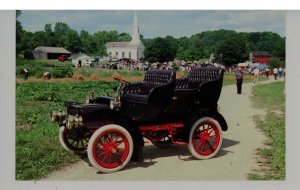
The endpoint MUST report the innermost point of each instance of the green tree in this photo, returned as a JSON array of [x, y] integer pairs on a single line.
[[85, 39], [160, 50], [27, 43], [73, 42], [232, 50], [60, 33], [123, 37], [19, 32], [276, 62], [49, 41], [39, 39], [264, 41], [279, 49]]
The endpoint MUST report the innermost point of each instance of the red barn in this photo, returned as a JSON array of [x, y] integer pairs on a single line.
[[262, 57]]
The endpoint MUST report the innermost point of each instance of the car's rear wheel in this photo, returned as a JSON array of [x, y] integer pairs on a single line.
[[205, 138], [110, 148], [72, 141]]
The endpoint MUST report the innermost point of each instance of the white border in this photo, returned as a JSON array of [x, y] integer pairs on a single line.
[[153, 4], [7, 126]]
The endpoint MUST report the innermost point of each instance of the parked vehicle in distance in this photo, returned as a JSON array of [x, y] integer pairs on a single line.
[[62, 58], [161, 108]]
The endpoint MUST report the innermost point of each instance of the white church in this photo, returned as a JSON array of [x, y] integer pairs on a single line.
[[133, 49]]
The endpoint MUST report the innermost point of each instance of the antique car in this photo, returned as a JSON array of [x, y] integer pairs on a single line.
[[161, 108]]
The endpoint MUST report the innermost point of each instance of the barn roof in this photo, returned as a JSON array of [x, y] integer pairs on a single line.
[[81, 55], [52, 49]]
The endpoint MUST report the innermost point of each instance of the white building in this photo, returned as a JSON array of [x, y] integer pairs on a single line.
[[133, 49], [81, 60]]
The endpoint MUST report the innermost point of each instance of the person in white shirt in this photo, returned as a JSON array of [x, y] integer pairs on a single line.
[[275, 73], [256, 75]]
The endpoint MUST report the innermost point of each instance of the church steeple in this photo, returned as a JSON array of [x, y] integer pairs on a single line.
[[135, 35]]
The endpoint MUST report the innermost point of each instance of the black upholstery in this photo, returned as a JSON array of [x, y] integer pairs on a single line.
[[202, 74], [200, 89], [181, 83], [140, 92], [156, 78], [148, 99]]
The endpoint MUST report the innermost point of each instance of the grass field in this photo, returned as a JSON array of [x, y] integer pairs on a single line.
[[272, 157], [38, 151]]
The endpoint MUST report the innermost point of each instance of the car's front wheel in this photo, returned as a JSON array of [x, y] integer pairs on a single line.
[[110, 148], [72, 141]]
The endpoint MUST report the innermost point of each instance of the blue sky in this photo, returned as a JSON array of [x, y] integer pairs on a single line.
[[158, 23]]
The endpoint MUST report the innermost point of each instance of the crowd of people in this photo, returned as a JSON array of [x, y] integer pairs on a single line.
[[126, 64], [239, 74]]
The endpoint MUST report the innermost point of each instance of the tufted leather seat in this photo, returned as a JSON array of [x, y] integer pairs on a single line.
[[200, 89], [202, 74], [140, 92]]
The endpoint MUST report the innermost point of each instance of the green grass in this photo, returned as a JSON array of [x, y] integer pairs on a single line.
[[272, 157], [230, 79], [38, 151], [270, 96]]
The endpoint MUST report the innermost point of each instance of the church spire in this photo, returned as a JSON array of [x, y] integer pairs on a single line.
[[135, 35]]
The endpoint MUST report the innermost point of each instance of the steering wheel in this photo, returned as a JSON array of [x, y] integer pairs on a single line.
[[120, 79]]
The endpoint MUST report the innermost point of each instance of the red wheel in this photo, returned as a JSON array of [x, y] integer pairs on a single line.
[[110, 148], [73, 142], [205, 138]]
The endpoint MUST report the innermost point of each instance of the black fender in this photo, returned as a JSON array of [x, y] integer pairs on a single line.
[[221, 120], [134, 131], [138, 141], [206, 113]]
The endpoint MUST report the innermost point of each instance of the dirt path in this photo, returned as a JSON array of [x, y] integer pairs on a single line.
[[234, 162]]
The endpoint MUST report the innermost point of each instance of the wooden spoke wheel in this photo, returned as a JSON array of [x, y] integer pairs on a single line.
[[110, 148], [205, 138], [73, 142]]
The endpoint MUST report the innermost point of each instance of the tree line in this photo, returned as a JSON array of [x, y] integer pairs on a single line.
[[228, 46], [61, 35]]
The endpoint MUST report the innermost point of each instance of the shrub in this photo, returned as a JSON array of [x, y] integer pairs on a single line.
[[61, 72]]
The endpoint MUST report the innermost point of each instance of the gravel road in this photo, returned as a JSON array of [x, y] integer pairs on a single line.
[[235, 160]]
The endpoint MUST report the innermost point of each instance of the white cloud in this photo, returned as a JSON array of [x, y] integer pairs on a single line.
[[159, 23]]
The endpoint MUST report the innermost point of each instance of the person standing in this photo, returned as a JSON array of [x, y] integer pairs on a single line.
[[275, 73], [26, 73], [239, 80], [255, 74], [280, 72], [267, 70]]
